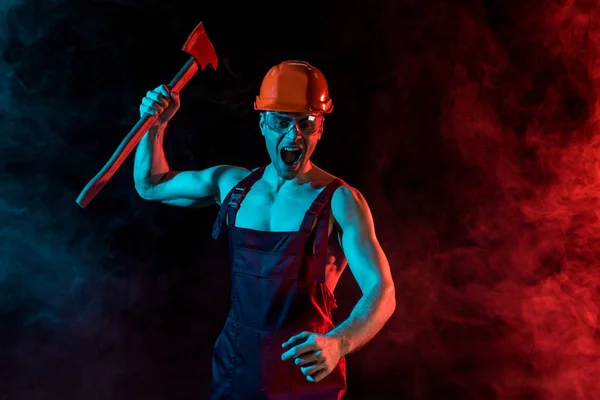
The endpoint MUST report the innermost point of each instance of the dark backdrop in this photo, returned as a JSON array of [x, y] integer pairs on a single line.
[[469, 126]]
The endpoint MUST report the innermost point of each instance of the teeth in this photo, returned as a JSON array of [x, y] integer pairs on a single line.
[[291, 148]]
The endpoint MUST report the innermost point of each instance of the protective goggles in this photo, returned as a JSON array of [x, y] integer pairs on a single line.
[[282, 123]]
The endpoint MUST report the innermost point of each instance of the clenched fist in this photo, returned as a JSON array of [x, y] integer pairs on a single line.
[[317, 355], [160, 102]]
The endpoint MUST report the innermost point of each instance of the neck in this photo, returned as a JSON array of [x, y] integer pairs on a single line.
[[272, 176]]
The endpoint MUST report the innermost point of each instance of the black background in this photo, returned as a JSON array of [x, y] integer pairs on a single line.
[[469, 127]]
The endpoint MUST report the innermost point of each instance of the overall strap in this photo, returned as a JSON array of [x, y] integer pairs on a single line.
[[232, 201], [320, 209]]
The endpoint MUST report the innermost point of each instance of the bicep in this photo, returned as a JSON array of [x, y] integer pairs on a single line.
[[192, 188], [366, 258], [189, 202]]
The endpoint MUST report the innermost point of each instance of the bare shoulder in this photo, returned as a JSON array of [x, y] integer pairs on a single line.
[[347, 197], [224, 174], [321, 178], [349, 206], [227, 176], [344, 196]]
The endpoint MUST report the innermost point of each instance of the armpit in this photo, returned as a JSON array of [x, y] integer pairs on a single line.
[[334, 249]]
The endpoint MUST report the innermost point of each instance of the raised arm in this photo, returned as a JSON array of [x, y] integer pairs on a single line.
[[152, 176]]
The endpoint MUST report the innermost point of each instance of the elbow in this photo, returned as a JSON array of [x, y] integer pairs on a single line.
[[384, 293], [389, 298], [147, 187], [143, 191]]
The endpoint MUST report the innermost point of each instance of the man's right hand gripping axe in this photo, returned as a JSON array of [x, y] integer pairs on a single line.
[[202, 53]]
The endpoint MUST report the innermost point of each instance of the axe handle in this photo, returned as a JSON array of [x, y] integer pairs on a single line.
[[134, 136]]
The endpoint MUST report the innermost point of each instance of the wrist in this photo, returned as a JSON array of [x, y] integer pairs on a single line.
[[342, 342], [157, 132]]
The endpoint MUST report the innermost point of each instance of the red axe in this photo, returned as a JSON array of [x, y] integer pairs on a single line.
[[203, 53]]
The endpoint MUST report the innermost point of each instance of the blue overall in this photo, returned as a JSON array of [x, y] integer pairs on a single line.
[[278, 290]]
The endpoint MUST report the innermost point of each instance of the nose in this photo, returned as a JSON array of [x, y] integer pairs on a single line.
[[293, 132]]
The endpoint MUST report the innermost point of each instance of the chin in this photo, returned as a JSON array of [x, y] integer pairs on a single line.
[[288, 172]]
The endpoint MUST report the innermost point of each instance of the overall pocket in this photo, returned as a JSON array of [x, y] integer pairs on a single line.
[[275, 382], [264, 264], [332, 387], [285, 380]]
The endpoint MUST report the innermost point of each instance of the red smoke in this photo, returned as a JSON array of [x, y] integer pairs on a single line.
[[493, 229]]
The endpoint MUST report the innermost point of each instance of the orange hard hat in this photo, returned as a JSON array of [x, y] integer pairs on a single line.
[[294, 86]]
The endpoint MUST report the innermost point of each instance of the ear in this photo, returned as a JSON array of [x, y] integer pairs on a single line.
[[322, 129], [261, 123], [322, 126]]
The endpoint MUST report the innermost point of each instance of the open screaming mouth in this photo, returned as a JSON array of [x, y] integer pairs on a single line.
[[290, 154]]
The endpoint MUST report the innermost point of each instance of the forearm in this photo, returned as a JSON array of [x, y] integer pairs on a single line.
[[150, 164], [366, 319]]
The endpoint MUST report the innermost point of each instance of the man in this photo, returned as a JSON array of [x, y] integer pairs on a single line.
[[293, 228]]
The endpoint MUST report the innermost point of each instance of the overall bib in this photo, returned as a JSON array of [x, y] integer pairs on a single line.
[[278, 290]]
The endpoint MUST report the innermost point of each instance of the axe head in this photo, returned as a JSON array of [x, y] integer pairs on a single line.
[[199, 46]]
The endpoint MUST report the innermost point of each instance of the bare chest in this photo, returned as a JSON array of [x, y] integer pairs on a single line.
[[275, 212], [263, 210]]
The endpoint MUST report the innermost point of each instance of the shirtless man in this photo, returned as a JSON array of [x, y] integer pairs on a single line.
[[293, 228]]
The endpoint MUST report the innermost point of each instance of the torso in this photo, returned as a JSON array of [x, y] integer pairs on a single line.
[[264, 209]]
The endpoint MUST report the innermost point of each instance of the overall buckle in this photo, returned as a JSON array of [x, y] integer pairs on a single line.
[[235, 197]]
